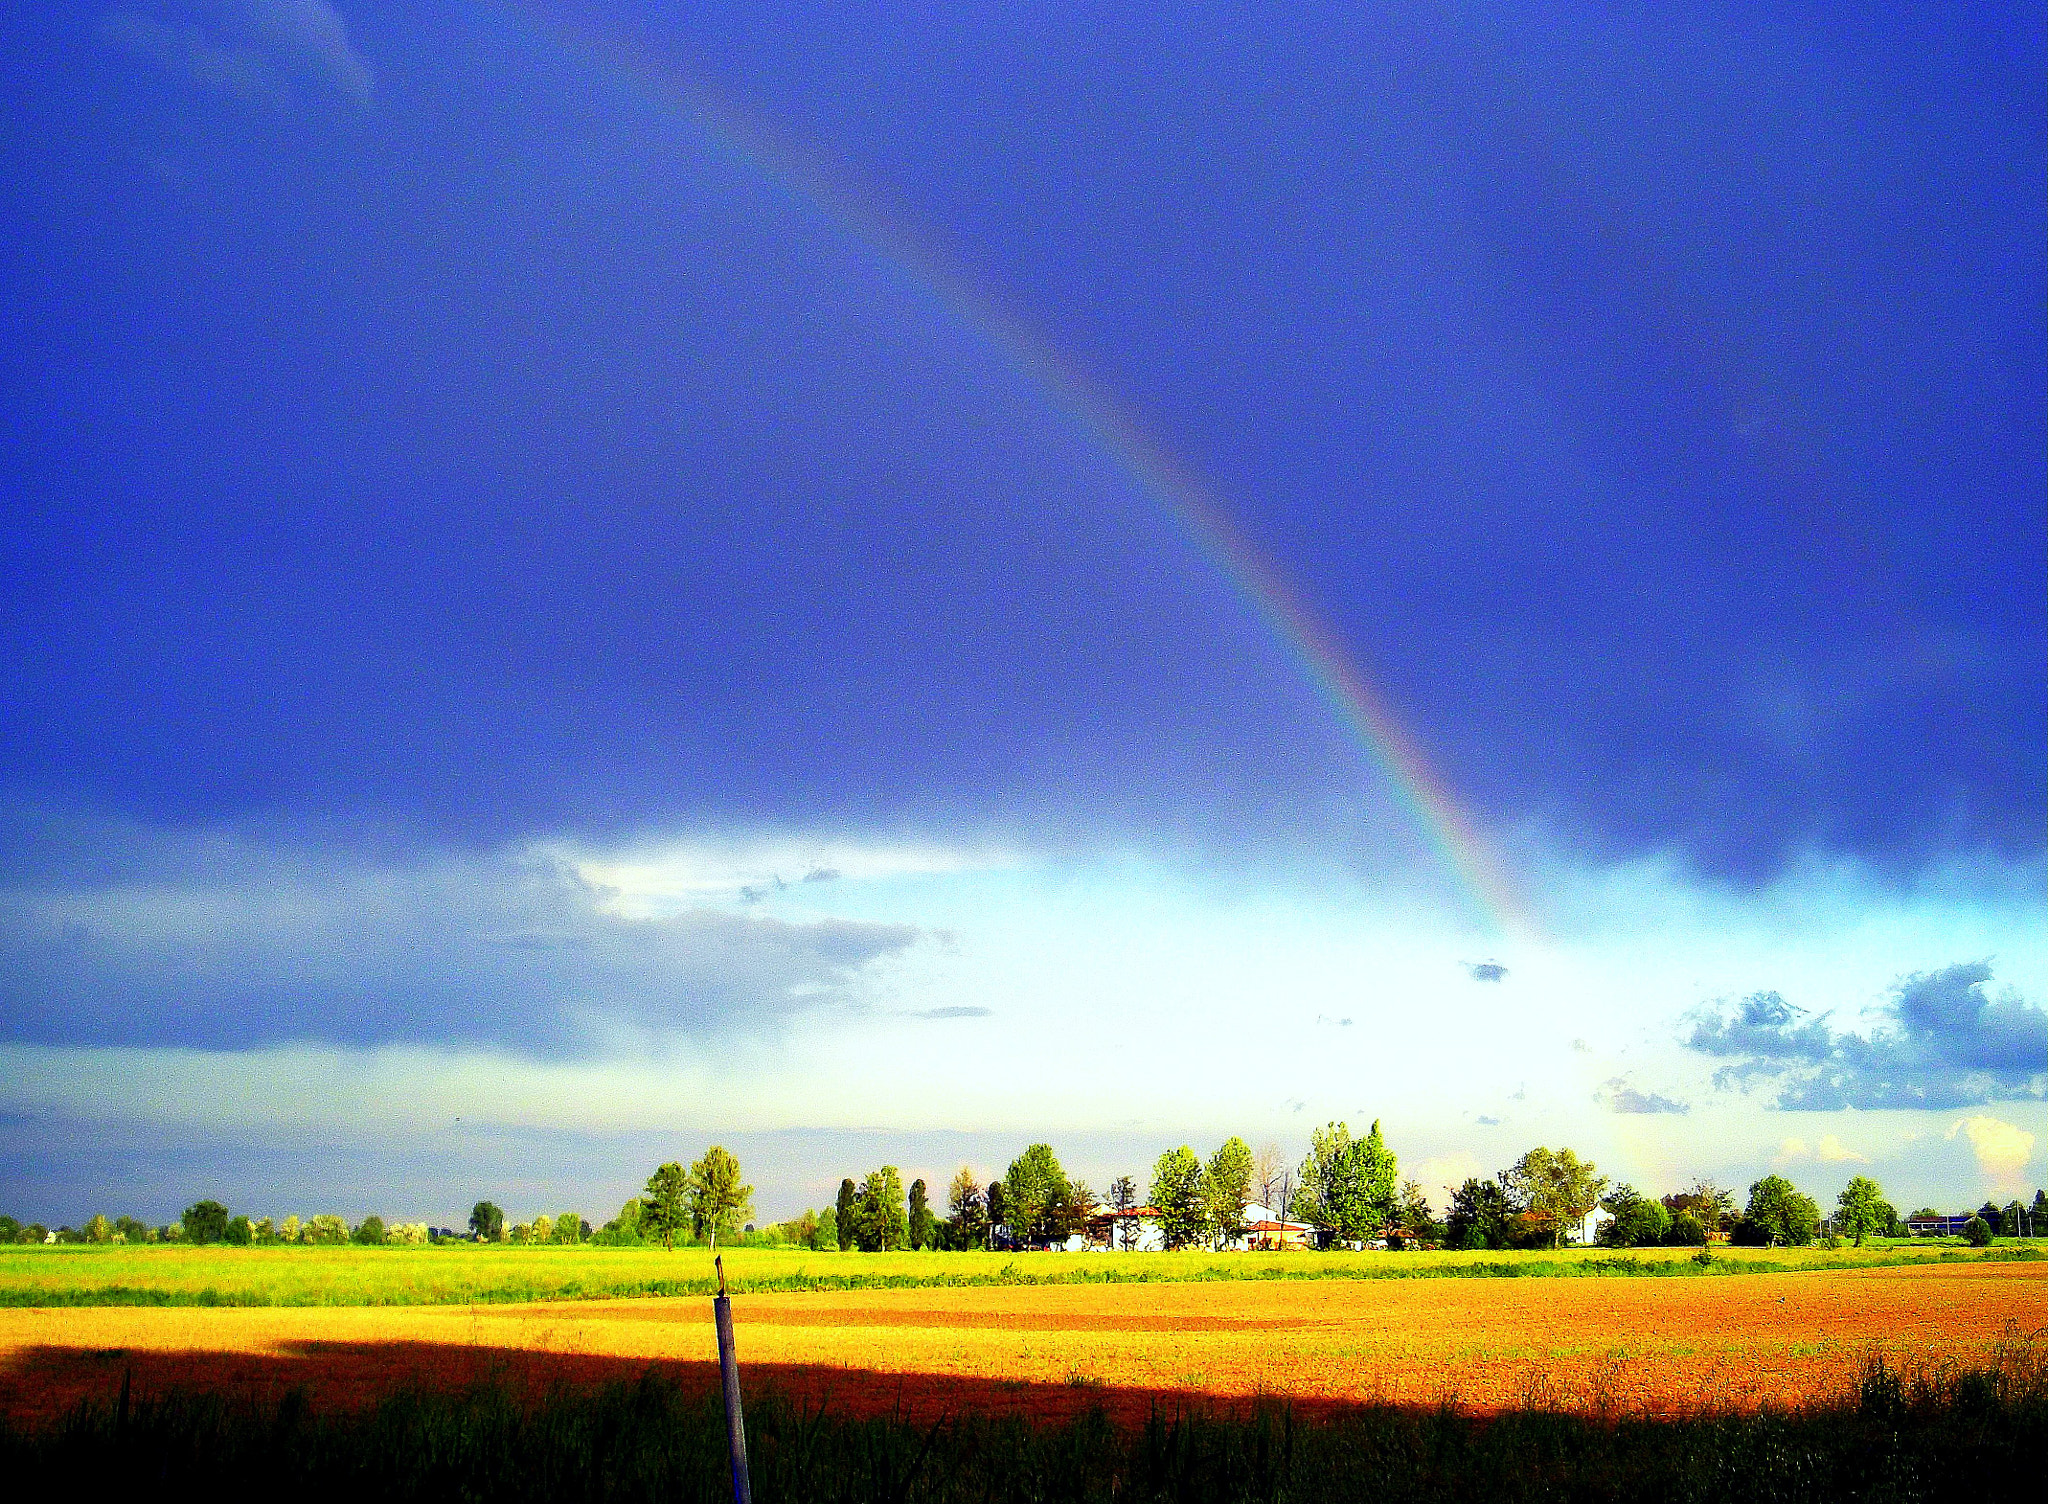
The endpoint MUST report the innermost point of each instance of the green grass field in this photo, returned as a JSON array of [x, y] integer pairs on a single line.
[[464, 1273]]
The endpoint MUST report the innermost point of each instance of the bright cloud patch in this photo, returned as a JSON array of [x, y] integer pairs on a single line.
[[1944, 1041], [1829, 1151], [2002, 1149]]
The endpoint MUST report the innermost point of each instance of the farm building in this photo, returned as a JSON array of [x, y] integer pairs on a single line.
[[1939, 1226]]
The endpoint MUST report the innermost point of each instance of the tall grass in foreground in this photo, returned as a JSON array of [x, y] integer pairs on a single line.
[[1977, 1435]]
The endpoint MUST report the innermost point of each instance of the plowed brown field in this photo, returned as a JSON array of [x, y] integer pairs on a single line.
[[1483, 1344]]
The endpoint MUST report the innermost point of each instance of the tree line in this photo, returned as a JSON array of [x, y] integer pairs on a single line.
[[1346, 1192]]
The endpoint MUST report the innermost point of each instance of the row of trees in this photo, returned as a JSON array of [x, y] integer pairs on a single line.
[[1346, 1185], [207, 1222], [1346, 1188]]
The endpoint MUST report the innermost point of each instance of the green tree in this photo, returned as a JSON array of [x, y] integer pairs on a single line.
[[10, 1230], [1416, 1214], [1032, 1189], [240, 1231], [98, 1229], [664, 1209], [1180, 1198], [1779, 1213], [1228, 1185], [205, 1222], [1349, 1186], [924, 1227], [487, 1222], [1685, 1232], [131, 1230], [845, 1222], [717, 1200], [370, 1232], [879, 1220], [1478, 1215], [1327, 1179], [1377, 1187], [1978, 1231], [1861, 1210], [2037, 1216], [571, 1228], [1556, 1188], [826, 1237], [1638, 1222], [966, 1210], [998, 1207], [326, 1229], [1711, 1205]]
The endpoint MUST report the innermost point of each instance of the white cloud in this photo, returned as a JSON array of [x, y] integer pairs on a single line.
[[657, 878], [2003, 1149], [1830, 1150]]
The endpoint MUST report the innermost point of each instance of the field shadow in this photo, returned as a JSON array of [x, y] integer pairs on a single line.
[[39, 1384]]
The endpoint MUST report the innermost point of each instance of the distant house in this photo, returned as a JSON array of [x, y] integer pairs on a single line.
[[1137, 1231], [1134, 1230], [1264, 1229]]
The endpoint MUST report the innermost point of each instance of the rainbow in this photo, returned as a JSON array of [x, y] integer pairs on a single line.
[[1190, 505]]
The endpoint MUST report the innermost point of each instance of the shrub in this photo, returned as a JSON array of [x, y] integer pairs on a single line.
[[1978, 1231]]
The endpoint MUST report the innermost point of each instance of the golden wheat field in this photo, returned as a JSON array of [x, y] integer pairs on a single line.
[[1644, 1345]]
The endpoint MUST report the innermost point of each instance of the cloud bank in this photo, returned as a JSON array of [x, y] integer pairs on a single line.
[[1944, 1041], [218, 942]]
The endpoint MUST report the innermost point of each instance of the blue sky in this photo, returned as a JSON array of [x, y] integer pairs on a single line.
[[567, 597]]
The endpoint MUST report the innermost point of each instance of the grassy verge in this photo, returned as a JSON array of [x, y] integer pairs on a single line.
[[1941, 1435], [471, 1275]]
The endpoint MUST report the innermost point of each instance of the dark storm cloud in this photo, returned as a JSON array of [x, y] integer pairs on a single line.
[[1486, 971], [1944, 1041], [224, 943], [1617, 1095]]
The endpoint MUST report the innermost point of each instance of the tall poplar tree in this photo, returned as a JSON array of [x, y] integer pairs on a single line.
[[1180, 1199], [843, 1214], [1228, 1184], [922, 1223], [663, 1208], [967, 1219]]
